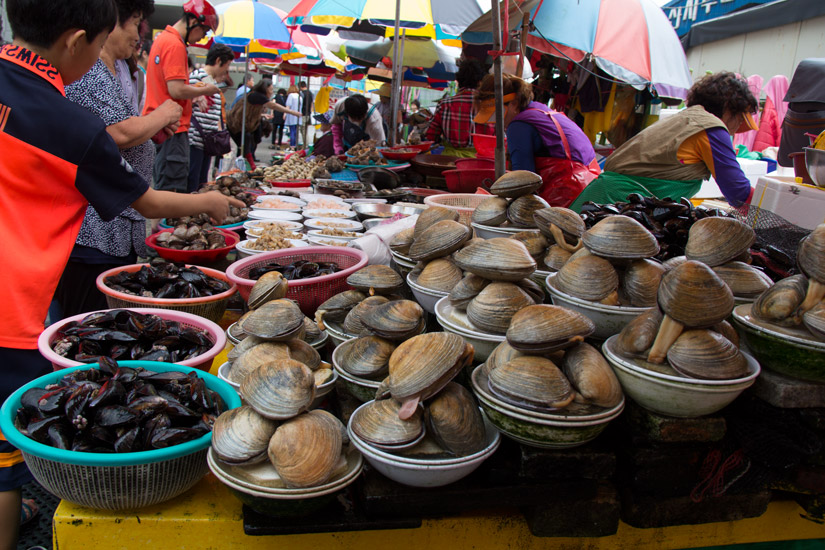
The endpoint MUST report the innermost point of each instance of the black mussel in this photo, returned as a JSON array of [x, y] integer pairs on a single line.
[[31, 397], [38, 427], [53, 401], [114, 416], [148, 405], [102, 435], [58, 436], [66, 346], [129, 441], [110, 392], [77, 403], [173, 436]]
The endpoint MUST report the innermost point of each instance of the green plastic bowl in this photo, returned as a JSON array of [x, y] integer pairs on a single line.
[[114, 481]]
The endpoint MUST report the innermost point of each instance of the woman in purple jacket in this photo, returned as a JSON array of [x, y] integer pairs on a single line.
[[541, 140]]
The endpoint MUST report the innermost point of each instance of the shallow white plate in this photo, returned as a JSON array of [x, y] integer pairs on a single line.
[[264, 214], [345, 225], [329, 213]]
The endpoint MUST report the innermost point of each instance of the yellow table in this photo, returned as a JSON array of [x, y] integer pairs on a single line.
[[209, 517]]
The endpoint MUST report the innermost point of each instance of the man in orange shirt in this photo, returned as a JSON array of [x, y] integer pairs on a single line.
[[167, 77]]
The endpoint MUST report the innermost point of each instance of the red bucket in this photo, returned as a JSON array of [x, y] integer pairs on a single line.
[[486, 145]]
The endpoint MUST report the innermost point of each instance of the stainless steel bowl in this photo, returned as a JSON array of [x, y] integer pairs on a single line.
[[815, 163], [383, 211]]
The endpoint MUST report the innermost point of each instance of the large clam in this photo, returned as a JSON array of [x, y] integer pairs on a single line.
[[640, 282], [743, 279], [337, 307], [498, 259], [562, 225], [520, 211], [589, 278], [241, 436], [275, 320], [814, 320], [279, 389], [591, 376], [500, 355], [716, 240], [531, 382], [396, 320], [556, 257], [367, 356], [466, 289], [811, 258], [272, 285], [306, 449], [431, 215], [376, 279], [534, 242], [440, 274], [620, 238], [491, 211], [422, 365], [256, 356], [542, 328], [778, 303], [402, 241], [378, 423], [637, 337], [702, 353], [693, 296], [493, 308], [354, 321], [440, 239], [454, 420], [516, 183]]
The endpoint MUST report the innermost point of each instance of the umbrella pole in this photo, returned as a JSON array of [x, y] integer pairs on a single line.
[[395, 65], [497, 83], [245, 78], [395, 104]]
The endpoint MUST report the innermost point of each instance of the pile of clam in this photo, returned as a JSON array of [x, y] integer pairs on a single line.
[[513, 203], [688, 330], [798, 300], [275, 330], [417, 397], [192, 236], [523, 371], [373, 307], [279, 375]]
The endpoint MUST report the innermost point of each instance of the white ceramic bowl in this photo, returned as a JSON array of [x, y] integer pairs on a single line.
[[320, 391], [309, 197], [452, 320], [425, 473], [253, 225], [244, 251], [345, 224], [675, 395], [270, 215], [426, 297], [316, 233], [609, 320], [284, 198], [329, 213], [491, 232]]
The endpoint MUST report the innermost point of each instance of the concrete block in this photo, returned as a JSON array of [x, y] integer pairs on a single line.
[[576, 515], [653, 427], [645, 512], [788, 393]]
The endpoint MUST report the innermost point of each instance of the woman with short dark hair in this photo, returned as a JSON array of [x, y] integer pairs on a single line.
[[672, 157]]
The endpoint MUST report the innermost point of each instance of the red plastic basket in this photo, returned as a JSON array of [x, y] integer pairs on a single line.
[[309, 293], [194, 256], [202, 362], [475, 164], [392, 153], [424, 146], [486, 145], [210, 307], [467, 181], [290, 184]]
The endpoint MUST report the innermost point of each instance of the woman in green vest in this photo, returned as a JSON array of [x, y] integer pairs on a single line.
[[672, 157]]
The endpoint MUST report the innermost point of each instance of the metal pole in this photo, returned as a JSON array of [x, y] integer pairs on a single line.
[[395, 102], [497, 83], [245, 78], [525, 26], [395, 64]]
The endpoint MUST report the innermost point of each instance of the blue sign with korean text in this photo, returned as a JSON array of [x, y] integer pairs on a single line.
[[684, 13]]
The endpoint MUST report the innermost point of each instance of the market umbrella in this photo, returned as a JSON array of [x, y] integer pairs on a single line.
[[631, 40], [245, 22]]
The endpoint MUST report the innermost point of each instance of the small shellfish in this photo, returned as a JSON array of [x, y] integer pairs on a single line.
[[454, 420]]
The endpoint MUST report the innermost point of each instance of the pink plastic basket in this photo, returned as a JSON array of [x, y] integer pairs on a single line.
[[202, 362], [211, 307], [463, 203], [309, 293]]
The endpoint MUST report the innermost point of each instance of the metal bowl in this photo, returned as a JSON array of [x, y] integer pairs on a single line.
[[815, 163], [384, 211]]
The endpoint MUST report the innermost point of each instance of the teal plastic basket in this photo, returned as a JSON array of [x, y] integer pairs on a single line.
[[115, 481]]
